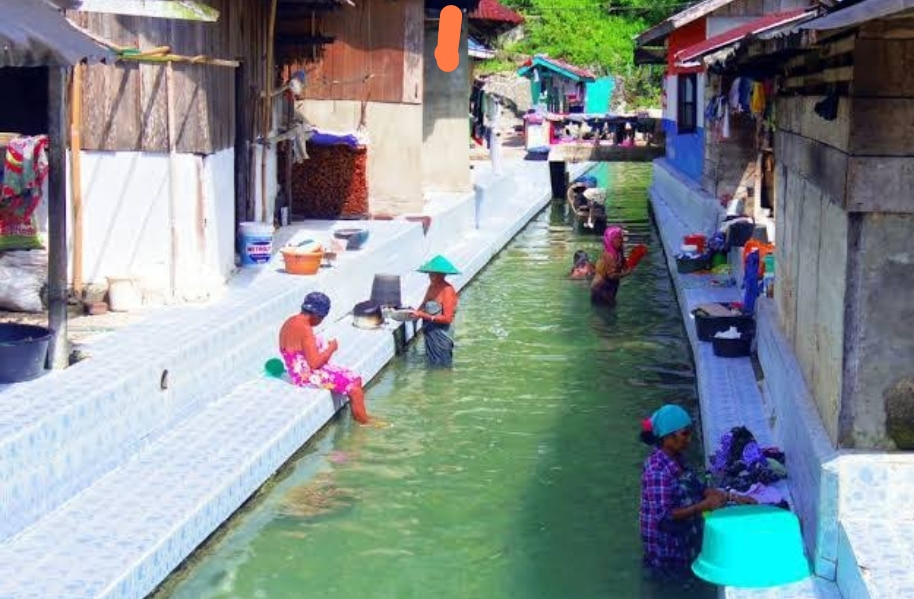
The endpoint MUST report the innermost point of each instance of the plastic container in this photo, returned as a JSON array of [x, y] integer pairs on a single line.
[[123, 294], [300, 262], [355, 238], [751, 546], [689, 265], [707, 326], [697, 240], [732, 348], [385, 291], [739, 233], [256, 243], [23, 351]]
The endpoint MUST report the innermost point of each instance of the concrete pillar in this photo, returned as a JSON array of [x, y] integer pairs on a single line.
[[445, 111], [558, 177]]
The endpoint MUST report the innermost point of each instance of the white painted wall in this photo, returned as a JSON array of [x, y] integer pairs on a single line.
[[126, 229]]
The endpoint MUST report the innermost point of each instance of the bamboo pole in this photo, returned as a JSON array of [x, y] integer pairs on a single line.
[[267, 112], [76, 194], [172, 174]]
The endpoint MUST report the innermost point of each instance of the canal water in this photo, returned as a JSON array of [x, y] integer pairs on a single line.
[[514, 475]]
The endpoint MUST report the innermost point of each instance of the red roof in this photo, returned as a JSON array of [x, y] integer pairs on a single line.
[[493, 10], [726, 38]]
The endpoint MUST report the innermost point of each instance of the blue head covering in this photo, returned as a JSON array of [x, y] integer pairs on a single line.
[[669, 419], [316, 303]]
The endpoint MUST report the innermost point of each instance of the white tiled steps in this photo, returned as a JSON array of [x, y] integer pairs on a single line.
[[876, 557], [122, 535]]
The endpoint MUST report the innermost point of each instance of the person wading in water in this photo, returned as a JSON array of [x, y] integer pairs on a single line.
[[437, 312], [610, 268]]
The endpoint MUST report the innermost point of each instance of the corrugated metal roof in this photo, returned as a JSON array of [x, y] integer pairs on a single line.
[[36, 33], [737, 33], [860, 13], [493, 10]]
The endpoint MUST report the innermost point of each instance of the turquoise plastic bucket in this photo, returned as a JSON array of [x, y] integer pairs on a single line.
[[256, 243], [751, 546]]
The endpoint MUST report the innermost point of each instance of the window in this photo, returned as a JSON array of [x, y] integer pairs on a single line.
[[687, 103]]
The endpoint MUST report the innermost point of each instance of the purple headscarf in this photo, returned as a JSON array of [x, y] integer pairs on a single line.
[[609, 236]]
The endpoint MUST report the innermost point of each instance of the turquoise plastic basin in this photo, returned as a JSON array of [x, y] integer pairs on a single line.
[[751, 546]]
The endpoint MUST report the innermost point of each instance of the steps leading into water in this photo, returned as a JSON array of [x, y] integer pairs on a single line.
[[109, 481]]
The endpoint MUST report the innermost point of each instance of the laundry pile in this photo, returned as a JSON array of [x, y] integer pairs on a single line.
[[740, 465]]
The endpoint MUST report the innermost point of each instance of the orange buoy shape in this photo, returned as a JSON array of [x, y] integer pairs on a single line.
[[447, 52]]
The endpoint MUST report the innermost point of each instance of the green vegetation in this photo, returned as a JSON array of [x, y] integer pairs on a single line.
[[592, 34]]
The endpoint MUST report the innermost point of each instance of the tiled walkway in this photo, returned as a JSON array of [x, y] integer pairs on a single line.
[[113, 471], [728, 392]]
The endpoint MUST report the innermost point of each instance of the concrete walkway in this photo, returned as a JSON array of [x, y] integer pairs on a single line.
[[854, 507], [113, 471]]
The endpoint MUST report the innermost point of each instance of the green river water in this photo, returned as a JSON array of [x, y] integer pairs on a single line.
[[514, 475]]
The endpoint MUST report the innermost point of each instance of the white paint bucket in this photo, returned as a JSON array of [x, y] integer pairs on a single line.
[[123, 294], [256, 240]]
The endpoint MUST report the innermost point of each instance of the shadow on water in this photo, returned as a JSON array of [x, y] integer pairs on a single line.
[[579, 517]]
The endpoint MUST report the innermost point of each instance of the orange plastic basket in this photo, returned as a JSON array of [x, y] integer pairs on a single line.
[[302, 263]]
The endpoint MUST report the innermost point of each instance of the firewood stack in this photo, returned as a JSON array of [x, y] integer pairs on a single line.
[[332, 183]]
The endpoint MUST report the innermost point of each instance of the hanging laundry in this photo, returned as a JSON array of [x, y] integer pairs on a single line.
[[745, 93], [725, 129], [24, 172], [734, 94], [757, 103]]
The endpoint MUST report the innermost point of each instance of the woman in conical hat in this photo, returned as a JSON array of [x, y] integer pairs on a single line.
[[437, 312]]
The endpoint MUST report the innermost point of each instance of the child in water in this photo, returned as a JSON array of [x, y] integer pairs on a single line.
[[583, 268]]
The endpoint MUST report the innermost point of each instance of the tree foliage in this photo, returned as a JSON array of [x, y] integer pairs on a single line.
[[596, 35]]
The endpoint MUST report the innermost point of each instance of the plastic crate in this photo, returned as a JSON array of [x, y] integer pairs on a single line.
[[708, 326]]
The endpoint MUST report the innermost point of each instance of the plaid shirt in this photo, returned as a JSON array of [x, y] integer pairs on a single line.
[[668, 544]]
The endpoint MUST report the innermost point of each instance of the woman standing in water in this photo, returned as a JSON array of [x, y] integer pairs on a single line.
[[437, 312], [307, 355], [610, 268], [673, 498]]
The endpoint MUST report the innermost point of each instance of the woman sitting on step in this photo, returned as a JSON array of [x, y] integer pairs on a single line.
[[307, 355]]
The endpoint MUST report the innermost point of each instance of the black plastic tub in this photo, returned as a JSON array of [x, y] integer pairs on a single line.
[[732, 348], [708, 326], [23, 351], [738, 234], [689, 265]]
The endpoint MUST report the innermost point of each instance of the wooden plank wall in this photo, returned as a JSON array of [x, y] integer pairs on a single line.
[[373, 42], [730, 165], [125, 103]]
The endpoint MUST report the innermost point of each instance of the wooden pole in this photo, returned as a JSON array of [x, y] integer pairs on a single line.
[[267, 112], [172, 177], [76, 195], [58, 350]]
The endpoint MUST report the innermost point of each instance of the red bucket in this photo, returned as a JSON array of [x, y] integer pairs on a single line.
[[697, 240]]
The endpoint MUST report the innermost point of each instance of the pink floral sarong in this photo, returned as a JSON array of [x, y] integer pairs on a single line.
[[330, 376]]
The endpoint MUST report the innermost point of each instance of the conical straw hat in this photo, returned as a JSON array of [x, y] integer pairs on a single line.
[[439, 264]]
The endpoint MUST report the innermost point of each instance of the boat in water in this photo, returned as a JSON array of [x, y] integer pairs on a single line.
[[587, 203]]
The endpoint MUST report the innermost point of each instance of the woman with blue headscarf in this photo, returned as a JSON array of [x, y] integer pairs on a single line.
[[307, 355], [673, 497]]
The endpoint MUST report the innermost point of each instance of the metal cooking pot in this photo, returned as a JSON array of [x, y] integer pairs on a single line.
[[367, 315]]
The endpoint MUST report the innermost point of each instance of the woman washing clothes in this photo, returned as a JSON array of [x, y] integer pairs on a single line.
[[437, 312], [673, 498], [307, 355], [610, 268]]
